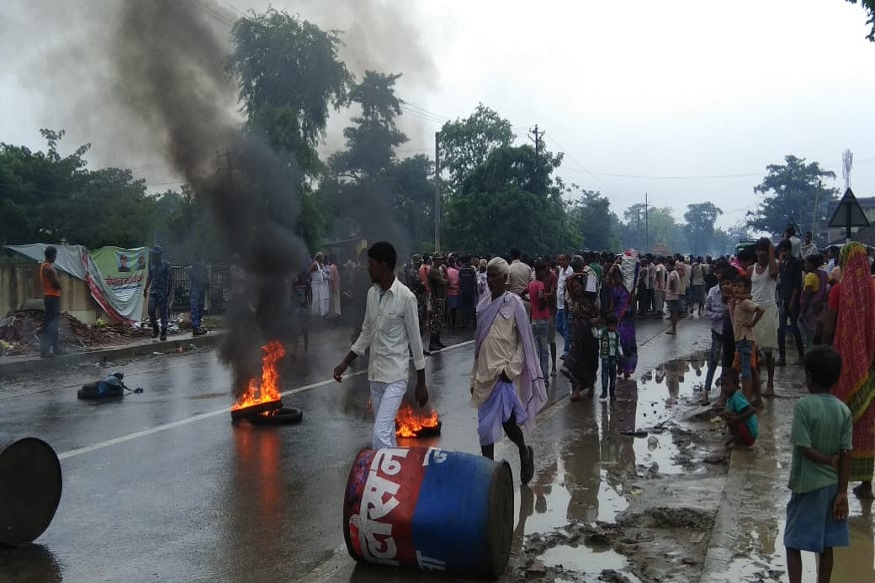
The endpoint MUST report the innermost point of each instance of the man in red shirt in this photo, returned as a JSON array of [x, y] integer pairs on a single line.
[[537, 294]]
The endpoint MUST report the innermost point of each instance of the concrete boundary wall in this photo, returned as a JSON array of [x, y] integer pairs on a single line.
[[20, 283]]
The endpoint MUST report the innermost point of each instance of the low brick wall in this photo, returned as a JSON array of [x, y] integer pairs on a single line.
[[20, 283]]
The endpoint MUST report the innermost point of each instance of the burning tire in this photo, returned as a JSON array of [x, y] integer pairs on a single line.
[[281, 416]]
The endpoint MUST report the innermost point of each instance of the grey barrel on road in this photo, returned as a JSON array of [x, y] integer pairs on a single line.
[[30, 488], [430, 509]]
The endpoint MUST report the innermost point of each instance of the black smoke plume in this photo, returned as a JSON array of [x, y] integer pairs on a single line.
[[170, 71]]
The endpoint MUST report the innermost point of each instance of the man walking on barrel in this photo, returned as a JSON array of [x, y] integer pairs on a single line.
[[390, 328]]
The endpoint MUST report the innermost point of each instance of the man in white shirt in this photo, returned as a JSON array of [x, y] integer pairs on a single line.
[[659, 283], [563, 271], [808, 248], [390, 327]]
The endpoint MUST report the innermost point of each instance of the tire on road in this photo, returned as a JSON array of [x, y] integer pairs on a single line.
[[89, 392], [282, 416]]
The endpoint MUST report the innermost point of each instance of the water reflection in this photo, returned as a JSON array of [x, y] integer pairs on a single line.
[[254, 508], [857, 562], [606, 444], [29, 564]]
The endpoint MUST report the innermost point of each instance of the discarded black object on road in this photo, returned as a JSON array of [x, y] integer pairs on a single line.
[[281, 416], [112, 387]]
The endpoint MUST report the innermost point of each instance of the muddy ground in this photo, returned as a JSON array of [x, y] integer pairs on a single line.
[[665, 458]]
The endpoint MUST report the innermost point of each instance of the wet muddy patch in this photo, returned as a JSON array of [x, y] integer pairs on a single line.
[[633, 496]]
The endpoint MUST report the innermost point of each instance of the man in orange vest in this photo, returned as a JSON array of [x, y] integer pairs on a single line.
[[50, 342]]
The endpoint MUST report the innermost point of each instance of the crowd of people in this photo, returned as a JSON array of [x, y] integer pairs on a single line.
[[519, 305], [592, 301]]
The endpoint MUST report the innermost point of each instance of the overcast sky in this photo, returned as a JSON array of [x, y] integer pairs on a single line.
[[685, 100]]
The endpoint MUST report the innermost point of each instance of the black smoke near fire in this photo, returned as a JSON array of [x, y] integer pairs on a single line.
[[170, 71]]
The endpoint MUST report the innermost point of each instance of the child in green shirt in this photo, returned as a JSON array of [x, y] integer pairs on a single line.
[[611, 354], [817, 514]]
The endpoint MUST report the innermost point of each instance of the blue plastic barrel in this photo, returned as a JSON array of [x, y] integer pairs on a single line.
[[429, 509]]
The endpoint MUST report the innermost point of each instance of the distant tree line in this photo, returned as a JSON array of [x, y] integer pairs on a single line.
[[495, 192]]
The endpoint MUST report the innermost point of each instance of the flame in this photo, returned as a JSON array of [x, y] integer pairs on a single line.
[[267, 389], [408, 423]]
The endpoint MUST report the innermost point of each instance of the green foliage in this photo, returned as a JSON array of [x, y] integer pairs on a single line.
[[289, 75], [592, 223], [48, 197], [465, 144], [793, 191], [499, 204], [372, 141], [869, 6], [660, 228], [700, 218], [371, 193]]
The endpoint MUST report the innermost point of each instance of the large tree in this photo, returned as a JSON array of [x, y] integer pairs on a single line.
[[869, 5], [465, 144], [657, 226], [370, 193], [593, 224], [371, 142], [511, 199], [290, 76], [793, 192], [700, 218], [47, 197]]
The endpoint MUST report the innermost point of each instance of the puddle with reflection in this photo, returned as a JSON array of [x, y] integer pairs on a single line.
[[607, 446], [587, 561], [612, 443]]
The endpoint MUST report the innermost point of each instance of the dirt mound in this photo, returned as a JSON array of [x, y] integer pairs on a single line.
[[18, 333], [665, 517]]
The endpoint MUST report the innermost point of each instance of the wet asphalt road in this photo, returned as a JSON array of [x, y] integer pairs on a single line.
[[161, 486]]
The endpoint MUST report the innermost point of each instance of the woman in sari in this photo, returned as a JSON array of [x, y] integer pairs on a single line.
[[582, 363], [850, 325], [622, 304]]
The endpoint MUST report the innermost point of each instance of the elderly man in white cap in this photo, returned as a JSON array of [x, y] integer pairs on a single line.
[[507, 384]]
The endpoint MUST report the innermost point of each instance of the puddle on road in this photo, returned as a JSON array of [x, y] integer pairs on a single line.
[[587, 561], [612, 442], [608, 445]]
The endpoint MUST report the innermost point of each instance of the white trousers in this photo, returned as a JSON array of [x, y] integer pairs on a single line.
[[386, 400]]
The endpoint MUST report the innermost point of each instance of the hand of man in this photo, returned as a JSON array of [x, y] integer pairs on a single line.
[[835, 462], [421, 394], [338, 371], [840, 506]]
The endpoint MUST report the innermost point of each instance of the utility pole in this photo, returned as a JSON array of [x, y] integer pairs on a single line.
[[535, 135], [638, 226], [229, 166], [646, 230], [437, 192]]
